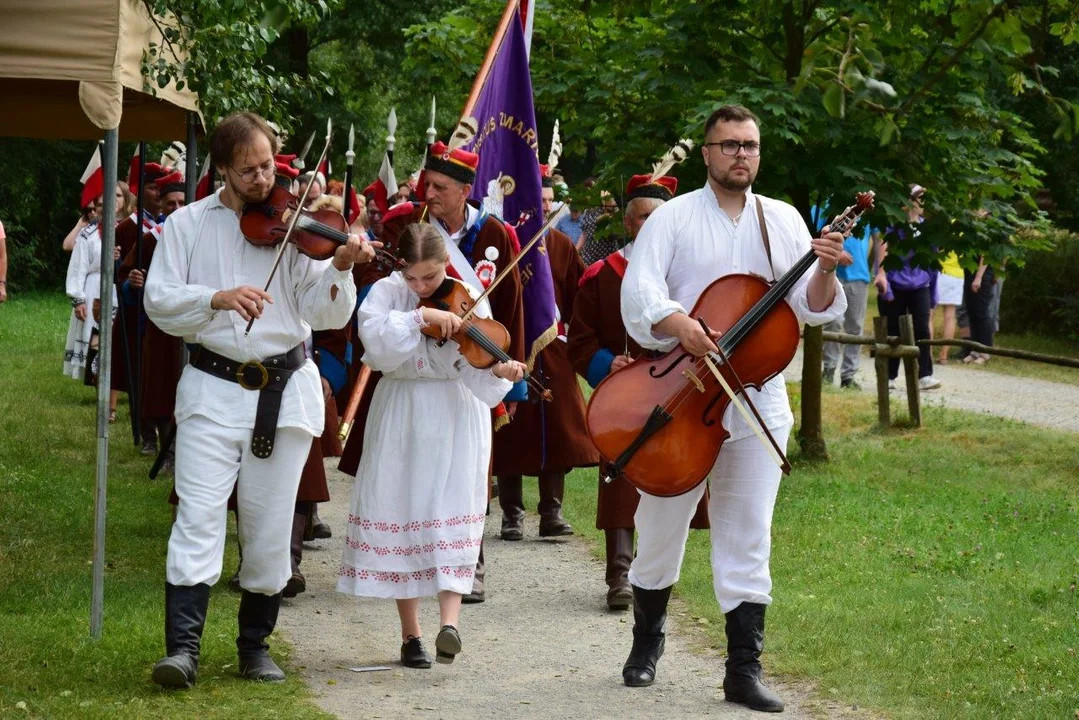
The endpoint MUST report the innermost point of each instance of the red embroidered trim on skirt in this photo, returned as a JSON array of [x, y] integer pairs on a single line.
[[415, 525], [409, 550], [462, 573]]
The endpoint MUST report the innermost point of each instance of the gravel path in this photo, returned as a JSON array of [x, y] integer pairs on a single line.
[[543, 645], [1030, 400]]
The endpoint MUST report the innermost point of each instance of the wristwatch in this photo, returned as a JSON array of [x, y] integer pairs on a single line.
[[822, 271]]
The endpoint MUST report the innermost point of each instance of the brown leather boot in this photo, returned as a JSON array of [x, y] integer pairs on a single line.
[[619, 556], [479, 591], [551, 488], [513, 507], [297, 583], [319, 529]]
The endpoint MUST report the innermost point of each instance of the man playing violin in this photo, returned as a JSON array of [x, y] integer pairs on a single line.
[[723, 228], [248, 404]]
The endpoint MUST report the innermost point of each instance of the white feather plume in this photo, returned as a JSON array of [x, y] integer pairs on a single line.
[[675, 155], [464, 134], [175, 156], [556, 148]]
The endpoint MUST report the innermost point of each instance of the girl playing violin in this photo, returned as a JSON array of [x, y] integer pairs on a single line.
[[418, 504]]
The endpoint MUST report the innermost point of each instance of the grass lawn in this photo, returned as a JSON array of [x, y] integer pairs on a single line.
[[47, 659], [923, 573]]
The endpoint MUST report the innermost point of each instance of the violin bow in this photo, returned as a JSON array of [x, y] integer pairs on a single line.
[[513, 263], [295, 218]]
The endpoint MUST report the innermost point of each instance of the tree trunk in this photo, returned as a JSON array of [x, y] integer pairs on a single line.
[[299, 46], [810, 437], [794, 31]]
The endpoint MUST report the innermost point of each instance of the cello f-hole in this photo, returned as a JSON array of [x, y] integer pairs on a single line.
[[705, 420], [680, 358]]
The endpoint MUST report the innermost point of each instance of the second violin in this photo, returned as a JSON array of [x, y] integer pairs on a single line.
[[482, 341]]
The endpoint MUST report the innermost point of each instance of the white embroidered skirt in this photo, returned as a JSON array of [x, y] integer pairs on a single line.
[[417, 507]]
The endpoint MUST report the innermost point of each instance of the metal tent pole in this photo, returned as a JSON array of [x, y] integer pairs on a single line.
[[104, 360]]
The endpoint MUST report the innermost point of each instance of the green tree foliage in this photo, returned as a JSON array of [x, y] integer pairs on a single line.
[[851, 95], [220, 48], [1041, 299], [964, 98], [39, 198]]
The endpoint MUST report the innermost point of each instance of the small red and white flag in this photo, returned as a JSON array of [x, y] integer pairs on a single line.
[[93, 179], [202, 189]]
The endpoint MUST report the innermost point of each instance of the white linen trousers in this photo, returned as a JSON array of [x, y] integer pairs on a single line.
[[210, 459], [744, 483]]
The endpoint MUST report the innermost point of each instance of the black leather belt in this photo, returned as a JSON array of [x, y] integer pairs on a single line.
[[268, 378]]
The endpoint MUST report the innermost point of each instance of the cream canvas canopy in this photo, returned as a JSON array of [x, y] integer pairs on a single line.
[[72, 69]]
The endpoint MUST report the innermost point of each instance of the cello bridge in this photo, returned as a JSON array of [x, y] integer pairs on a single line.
[[692, 377]]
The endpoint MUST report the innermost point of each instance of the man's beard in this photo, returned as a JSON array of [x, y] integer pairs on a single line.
[[725, 181], [252, 195]]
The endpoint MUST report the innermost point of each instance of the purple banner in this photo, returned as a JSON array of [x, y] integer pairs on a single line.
[[508, 178]]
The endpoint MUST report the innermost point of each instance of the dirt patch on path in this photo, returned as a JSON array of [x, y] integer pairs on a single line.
[[543, 645]]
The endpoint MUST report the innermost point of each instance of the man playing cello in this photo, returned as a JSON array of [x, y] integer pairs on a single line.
[[686, 244]]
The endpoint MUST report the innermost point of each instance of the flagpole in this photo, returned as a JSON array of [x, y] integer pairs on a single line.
[[485, 70]]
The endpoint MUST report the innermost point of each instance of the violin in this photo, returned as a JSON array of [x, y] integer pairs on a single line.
[[482, 341], [659, 422], [318, 233]]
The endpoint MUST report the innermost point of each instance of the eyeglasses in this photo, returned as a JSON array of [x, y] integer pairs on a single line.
[[251, 175], [730, 147]]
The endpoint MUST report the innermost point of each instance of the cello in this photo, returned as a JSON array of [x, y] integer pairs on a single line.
[[659, 422]]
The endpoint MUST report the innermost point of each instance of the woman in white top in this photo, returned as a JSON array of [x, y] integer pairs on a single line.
[[83, 287], [418, 504]]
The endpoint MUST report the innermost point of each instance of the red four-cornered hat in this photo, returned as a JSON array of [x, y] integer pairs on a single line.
[[459, 164], [643, 186]]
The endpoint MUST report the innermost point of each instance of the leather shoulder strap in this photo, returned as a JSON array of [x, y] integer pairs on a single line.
[[764, 234]]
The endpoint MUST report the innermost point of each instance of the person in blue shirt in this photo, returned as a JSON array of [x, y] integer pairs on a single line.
[[855, 279], [570, 225]]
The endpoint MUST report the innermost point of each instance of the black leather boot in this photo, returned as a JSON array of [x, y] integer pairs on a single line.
[[745, 641], [297, 583], [649, 619], [619, 557], [257, 618], [513, 507], [185, 616], [551, 487]]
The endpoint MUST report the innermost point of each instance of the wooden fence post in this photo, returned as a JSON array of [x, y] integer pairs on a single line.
[[810, 435], [910, 370], [880, 334]]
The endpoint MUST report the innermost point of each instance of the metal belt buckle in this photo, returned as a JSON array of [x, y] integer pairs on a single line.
[[240, 372]]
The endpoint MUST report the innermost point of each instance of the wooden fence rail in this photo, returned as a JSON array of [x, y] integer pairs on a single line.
[[905, 348]]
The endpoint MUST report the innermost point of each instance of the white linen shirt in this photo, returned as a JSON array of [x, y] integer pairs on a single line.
[[689, 242], [203, 251]]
